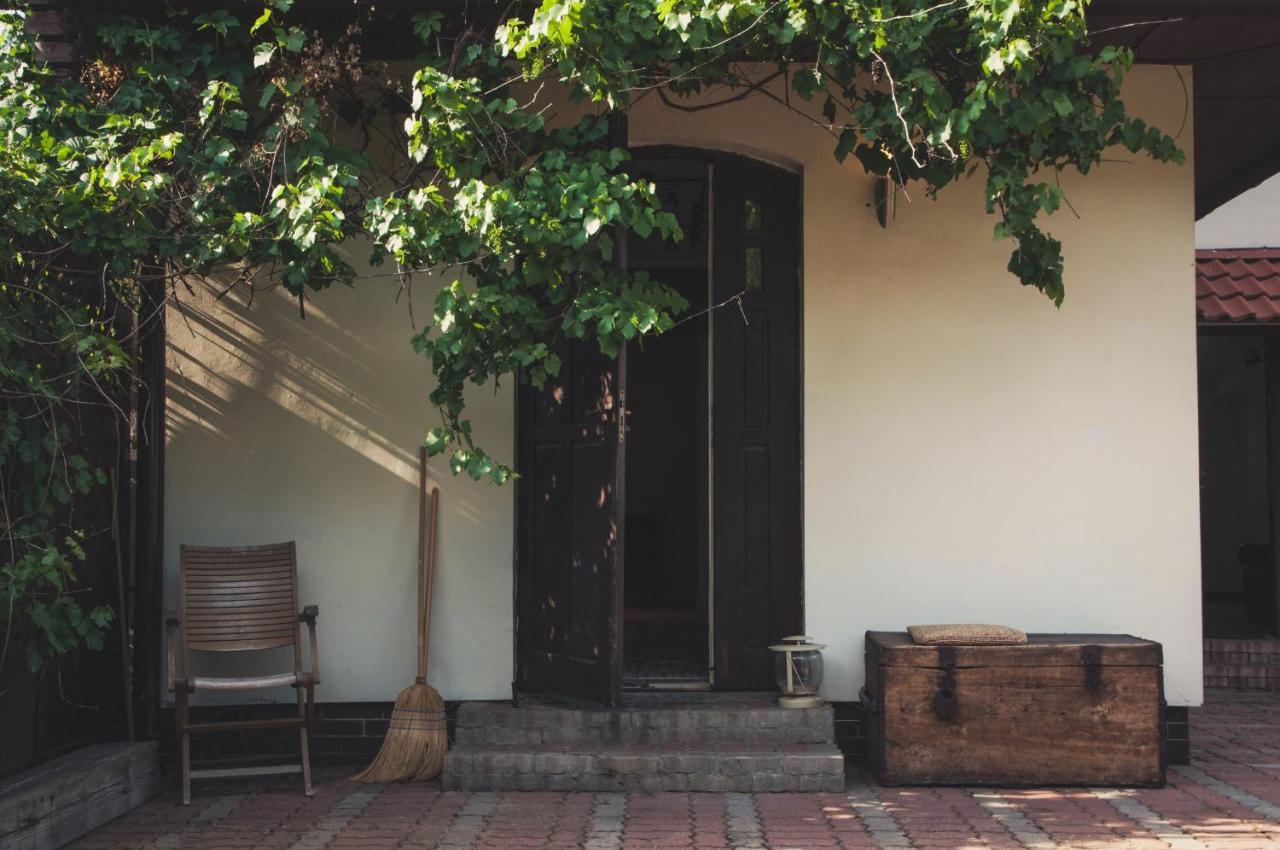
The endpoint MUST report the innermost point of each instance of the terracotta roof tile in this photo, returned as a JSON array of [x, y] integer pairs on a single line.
[[1238, 285]]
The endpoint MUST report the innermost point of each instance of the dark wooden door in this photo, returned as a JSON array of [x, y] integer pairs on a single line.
[[756, 529], [569, 546]]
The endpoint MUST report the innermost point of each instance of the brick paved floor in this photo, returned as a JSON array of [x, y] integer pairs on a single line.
[[1227, 799]]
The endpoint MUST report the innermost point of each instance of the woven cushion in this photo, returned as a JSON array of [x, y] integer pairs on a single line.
[[966, 634]]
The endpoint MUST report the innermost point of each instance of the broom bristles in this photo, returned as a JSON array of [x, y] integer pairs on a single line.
[[416, 741]]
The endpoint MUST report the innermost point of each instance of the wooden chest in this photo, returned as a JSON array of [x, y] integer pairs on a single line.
[[1058, 710]]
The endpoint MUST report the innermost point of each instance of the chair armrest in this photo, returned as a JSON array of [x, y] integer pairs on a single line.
[[308, 616], [172, 622]]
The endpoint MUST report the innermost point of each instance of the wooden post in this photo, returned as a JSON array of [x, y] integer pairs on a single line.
[[1271, 366], [148, 513]]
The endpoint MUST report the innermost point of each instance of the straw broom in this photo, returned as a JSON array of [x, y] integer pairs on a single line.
[[417, 739]]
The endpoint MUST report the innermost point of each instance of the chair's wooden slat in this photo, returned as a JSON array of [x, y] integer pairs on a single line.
[[225, 683], [239, 645], [239, 598], [222, 574], [231, 553], [206, 557], [196, 614], [246, 632], [204, 623], [243, 627], [227, 641], [230, 567], [254, 770], [217, 569], [199, 581], [210, 576], [245, 567], [232, 725], [228, 556], [241, 584], [211, 604], [258, 588]]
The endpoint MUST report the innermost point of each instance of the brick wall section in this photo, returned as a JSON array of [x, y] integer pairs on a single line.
[[1238, 663], [851, 733], [345, 733], [1177, 734]]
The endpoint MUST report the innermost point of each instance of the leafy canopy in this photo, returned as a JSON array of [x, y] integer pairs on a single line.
[[209, 147]]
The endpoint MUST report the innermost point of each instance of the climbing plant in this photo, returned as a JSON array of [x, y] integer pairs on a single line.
[[244, 153]]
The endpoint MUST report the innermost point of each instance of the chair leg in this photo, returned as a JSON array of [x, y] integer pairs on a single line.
[[184, 738], [304, 711]]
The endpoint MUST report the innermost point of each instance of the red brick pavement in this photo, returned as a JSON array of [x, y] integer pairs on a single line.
[[1227, 799]]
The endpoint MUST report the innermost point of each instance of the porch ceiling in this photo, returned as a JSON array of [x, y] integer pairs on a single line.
[[1234, 46]]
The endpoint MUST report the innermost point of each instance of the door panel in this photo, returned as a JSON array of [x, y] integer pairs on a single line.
[[757, 569], [570, 452], [570, 540]]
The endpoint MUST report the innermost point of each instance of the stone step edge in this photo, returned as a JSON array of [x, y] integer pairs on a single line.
[[817, 759], [762, 717], [647, 783], [591, 736]]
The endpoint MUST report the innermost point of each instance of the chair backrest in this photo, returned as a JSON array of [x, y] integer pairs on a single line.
[[237, 598]]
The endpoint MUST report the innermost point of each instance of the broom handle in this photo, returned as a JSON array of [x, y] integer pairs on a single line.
[[422, 554], [431, 575]]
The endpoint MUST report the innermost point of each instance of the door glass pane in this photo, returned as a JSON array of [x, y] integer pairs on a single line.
[[752, 216], [754, 263]]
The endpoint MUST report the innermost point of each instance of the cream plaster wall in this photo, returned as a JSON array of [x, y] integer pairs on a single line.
[[285, 429], [971, 453], [1251, 220]]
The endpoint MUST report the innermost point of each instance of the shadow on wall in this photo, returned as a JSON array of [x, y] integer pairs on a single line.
[[282, 428], [347, 370], [312, 368]]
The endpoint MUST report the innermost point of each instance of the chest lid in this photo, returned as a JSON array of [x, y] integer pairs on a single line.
[[896, 649]]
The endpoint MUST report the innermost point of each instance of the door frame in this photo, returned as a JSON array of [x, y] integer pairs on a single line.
[[709, 156], [1269, 336]]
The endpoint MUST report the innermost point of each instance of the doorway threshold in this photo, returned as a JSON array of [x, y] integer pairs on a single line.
[[656, 685], [678, 674]]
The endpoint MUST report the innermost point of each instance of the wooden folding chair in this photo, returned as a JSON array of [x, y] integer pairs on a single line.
[[240, 599]]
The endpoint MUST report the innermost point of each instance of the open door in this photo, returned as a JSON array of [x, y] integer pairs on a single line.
[[569, 547], [715, 509], [756, 429]]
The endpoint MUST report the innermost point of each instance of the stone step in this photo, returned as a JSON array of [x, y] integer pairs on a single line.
[[681, 723], [736, 767]]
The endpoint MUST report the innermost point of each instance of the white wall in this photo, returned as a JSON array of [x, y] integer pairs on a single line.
[[1250, 220], [971, 453], [284, 429]]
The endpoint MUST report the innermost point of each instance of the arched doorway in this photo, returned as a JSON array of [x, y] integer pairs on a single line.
[[660, 547]]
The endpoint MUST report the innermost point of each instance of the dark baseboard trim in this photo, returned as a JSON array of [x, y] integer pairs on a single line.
[[344, 733]]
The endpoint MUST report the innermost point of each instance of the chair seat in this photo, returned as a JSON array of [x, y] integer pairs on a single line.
[[239, 683]]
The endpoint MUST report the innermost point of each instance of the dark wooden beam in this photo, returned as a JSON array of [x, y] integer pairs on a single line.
[[148, 550]]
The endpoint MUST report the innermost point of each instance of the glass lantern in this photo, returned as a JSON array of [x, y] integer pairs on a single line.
[[797, 668]]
